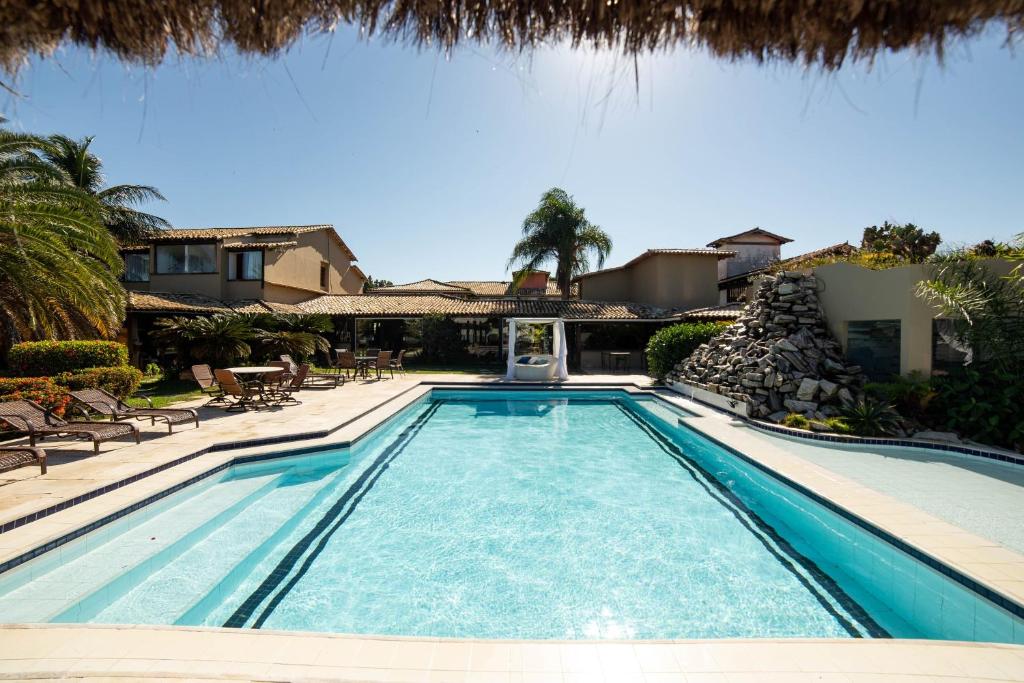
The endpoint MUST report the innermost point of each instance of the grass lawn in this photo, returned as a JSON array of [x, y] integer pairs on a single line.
[[164, 392]]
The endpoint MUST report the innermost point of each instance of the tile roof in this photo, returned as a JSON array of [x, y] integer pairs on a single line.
[[420, 286], [483, 288], [752, 231], [169, 302], [239, 246], [651, 252], [398, 305], [729, 311], [222, 233]]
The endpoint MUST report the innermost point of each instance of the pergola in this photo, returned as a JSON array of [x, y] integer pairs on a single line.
[[559, 347]]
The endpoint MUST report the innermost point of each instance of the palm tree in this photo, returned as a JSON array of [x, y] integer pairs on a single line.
[[558, 230], [58, 263], [84, 170]]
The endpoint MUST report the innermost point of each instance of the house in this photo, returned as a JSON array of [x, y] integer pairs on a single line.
[[201, 271], [739, 287], [752, 249], [673, 279], [276, 264]]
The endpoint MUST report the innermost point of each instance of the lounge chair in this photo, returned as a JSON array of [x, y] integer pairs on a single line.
[[105, 403], [38, 422], [13, 457], [396, 363], [246, 394], [208, 384], [384, 363]]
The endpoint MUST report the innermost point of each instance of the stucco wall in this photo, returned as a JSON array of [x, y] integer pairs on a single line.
[[666, 280], [299, 266], [851, 293], [351, 283], [752, 252]]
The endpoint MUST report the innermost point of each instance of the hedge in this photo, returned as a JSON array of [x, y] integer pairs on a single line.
[[670, 345], [30, 359], [121, 382], [42, 390]]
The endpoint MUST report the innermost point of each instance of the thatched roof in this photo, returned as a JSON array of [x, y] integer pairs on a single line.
[[808, 31]]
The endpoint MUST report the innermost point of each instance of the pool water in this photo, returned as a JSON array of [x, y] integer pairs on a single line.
[[494, 515]]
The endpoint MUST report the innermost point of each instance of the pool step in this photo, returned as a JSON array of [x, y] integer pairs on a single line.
[[103, 595], [200, 611], [164, 594], [45, 587]]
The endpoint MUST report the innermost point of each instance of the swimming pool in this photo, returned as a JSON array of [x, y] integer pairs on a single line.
[[505, 514]]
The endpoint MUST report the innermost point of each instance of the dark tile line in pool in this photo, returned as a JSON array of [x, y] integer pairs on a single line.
[[992, 596], [217, 447]]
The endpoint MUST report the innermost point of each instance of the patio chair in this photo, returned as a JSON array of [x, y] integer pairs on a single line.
[[396, 363], [13, 457], [372, 352], [285, 392], [384, 363], [346, 362], [245, 394], [105, 403], [208, 384], [38, 422], [334, 378]]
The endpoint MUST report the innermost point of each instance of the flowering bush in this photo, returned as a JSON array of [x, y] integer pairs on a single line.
[[30, 359], [42, 390], [120, 381]]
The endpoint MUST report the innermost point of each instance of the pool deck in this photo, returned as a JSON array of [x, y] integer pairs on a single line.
[[63, 651]]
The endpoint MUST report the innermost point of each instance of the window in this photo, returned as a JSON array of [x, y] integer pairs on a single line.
[[136, 267], [325, 271], [245, 265], [186, 258], [875, 346], [947, 351]]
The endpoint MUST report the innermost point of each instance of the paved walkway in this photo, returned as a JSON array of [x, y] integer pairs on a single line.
[[982, 496]]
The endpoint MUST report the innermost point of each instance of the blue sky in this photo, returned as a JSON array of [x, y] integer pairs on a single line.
[[427, 165]]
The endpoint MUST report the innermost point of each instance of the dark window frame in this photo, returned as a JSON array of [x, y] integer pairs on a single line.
[[325, 276], [140, 254], [232, 254], [158, 247]]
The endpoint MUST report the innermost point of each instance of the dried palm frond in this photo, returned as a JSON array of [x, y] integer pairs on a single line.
[[817, 32]]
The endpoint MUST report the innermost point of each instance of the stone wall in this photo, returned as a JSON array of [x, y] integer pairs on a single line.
[[779, 357]]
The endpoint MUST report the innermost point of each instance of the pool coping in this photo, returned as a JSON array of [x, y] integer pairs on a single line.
[[1010, 596]]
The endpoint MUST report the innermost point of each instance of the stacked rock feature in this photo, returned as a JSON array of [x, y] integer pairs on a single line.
[[778, 358]]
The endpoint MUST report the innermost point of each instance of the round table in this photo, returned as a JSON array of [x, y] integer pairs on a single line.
[[255, 370]]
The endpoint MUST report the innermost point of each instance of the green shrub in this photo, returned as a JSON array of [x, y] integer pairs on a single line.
[[910, 395], [153, 371], [121, 382], [796, 421], [982, 402], [42, 390], [669, 345], [31, 359], [868, 417]]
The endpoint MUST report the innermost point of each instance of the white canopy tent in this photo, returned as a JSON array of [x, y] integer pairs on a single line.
[[559, 346]]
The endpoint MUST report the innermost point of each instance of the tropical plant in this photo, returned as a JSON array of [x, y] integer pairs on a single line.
[[558, 231], [670, 345], [220, 340], [868, 417], [910, 395], [982, 399], [59, 266], [299, 345], [84, 170], [796, 421], [907, 241]]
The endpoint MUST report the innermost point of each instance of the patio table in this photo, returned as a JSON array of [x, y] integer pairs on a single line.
[[254, 370], [363, 364]]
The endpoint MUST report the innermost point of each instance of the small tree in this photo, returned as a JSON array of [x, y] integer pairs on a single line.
[[908, 242]]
